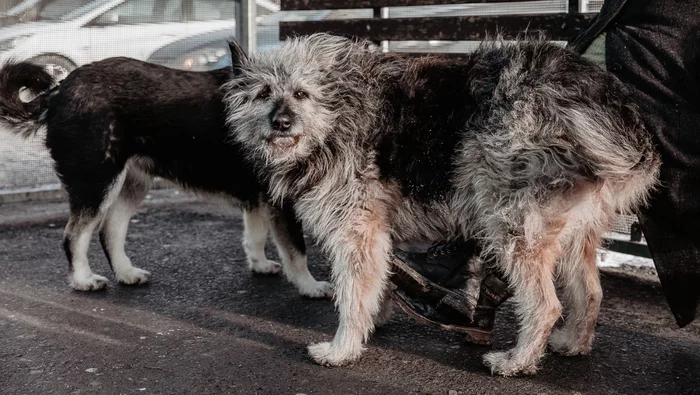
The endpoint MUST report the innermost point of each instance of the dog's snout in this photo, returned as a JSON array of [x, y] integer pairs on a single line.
[[281, 122], [282, 117]]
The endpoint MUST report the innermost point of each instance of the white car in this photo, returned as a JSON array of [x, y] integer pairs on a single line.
[[70, 36]]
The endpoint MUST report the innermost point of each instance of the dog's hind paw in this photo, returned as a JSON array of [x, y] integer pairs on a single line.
[[504, 364], [264, 267], [385, 313], [327, 354], [563, 342], [91, 282], [133, 276], [317, 290]]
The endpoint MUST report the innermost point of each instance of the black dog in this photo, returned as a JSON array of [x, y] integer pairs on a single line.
[[114, 125]]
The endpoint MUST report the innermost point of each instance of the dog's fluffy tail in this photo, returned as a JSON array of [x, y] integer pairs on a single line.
[[620, 151], [24, 118]]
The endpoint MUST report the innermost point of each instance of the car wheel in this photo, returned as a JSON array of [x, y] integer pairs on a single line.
[[56, 60]]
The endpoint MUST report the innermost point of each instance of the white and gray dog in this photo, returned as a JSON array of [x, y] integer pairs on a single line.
[[524, 146]]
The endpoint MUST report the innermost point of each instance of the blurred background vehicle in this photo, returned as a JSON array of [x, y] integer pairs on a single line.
[[71, 33], [194, 53], [183, 34]]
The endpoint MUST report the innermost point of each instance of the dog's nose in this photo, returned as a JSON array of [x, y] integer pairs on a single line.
[[282, 122]]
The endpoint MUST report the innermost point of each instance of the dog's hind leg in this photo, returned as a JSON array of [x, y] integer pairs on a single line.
[[582, 293], [530, 273], [115, 225], [386, 311], [256, 223], [76, 242], [88, 202], [288, 235]]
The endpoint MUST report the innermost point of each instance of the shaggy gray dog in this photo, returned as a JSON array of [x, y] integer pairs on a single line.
[[524, 146]]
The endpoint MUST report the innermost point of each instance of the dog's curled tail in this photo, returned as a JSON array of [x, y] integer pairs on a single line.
[[24, 118], [621, 151], [634, 188]]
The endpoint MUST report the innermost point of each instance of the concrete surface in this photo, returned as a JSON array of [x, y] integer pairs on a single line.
[[24, 162], [207, 326]]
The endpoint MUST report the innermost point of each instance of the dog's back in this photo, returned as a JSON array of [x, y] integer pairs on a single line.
[[495, 100], [130, 92], [118, 109]]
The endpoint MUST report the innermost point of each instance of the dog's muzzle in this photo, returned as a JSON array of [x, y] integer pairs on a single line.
[[282, 135], [283, 140]]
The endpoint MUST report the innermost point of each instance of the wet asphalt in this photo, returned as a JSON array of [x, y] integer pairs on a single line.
[[205, 325]]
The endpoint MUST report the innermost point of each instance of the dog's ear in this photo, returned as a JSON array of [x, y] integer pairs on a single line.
[[238, 55]]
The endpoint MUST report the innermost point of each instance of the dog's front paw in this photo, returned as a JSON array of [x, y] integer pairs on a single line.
[[264, 266], [564, 342], [317, 289], [90, 282], [133, 276], [504, 364], [327, 354]]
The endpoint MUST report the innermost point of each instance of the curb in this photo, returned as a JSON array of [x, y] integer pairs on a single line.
[[44, 192], [52, 192]]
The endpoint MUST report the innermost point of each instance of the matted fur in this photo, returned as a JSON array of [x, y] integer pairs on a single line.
[[524, 146]]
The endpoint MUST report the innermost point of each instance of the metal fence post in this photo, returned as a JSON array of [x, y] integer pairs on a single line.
[[573, 7], [384, 13], [381, 13], [245, 24]]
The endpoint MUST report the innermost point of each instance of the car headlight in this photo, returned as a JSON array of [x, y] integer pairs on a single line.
[[7, 44], [200, 60]]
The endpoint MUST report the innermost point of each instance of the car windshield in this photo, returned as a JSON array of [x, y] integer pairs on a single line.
[[84, 9], [58, 10]]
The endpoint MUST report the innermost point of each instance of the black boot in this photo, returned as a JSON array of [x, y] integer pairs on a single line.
[[447, 287], [443, 263]]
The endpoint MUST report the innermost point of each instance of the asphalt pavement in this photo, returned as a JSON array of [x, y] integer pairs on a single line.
[[205, 325]]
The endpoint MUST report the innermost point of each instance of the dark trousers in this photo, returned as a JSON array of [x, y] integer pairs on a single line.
[[653, 46]]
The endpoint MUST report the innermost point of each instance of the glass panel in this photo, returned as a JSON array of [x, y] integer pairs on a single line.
[[207, 10], [144, 11]]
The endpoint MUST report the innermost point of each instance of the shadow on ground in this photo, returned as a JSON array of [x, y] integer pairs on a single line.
[[206, 325]]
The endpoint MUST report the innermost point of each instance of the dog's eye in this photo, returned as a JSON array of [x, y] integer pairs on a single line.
[[300, 95], [264, 94]]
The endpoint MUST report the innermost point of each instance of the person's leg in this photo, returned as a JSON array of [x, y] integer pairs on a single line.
[[659, 64], [671, 226]]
